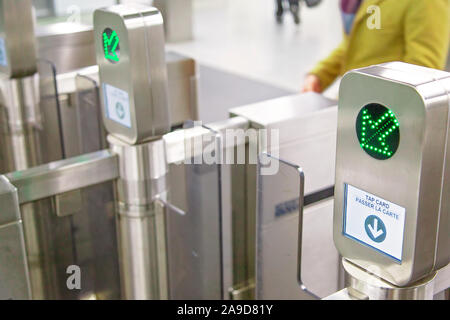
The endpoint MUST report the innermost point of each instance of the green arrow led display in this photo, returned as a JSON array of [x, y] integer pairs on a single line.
[[378, 131], [111, 45]]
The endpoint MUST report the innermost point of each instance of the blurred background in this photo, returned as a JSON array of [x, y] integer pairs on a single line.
[[238, 36]]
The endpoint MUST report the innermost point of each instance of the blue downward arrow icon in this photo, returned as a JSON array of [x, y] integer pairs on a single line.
[[120, 110], [375, 228]]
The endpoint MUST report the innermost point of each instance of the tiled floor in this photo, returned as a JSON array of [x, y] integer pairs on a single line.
[[242, 37]]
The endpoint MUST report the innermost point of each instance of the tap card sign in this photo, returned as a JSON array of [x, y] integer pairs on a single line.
[[117, 104], [374, 222]]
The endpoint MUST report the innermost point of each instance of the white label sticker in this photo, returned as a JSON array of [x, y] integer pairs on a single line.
[[117, 105], [3, 54], [373, 221]]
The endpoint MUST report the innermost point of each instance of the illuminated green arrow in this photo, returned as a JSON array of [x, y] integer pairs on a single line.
[[374, 132], [110, 45]]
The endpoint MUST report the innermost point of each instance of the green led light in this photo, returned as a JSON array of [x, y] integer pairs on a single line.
[[378, 131], [111, 45]]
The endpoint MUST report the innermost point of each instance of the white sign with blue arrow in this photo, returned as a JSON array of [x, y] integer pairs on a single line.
[[117, 103], [373, 221]]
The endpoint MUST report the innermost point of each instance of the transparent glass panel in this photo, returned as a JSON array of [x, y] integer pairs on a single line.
[[49, 118], [278, 236], [77, 230], [194, 229], [92, 136]]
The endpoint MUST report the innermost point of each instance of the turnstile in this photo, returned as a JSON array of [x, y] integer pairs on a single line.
[[222, 239], [390, 195], [63, 224], [391, 215], [48, 116]]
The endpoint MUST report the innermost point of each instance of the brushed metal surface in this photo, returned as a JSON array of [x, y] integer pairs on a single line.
[[183, 80], [376, 289], [17, 31], [68, 45], [142, 192], [178, 19], [141, 70], [142, 252], [63, 176], [187, 143], [14, 276], [19, 101], [142, 170], [442, 280], [412, 178], [8, 198]]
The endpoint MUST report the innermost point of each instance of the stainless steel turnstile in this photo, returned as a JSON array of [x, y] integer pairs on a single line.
[[75, 226], [211, 242], [391, 216], [161, 209], [48, 115]]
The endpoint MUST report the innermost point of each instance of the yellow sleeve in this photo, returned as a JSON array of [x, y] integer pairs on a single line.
[[330, 68], [427, 33]]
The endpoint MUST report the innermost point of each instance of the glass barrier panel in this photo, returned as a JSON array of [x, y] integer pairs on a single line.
[[71, 245], [278, 199], [49, 123], [194, 227], [92, 136]]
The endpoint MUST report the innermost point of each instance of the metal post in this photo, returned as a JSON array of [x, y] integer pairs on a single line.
[[20, 105], [362, 285], [22, 121], [141, 219], [21, 151]]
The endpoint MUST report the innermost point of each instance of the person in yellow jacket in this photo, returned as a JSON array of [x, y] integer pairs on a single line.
[[378, 31]]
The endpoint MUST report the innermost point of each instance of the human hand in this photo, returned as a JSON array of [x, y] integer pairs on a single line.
[[312, 84]]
